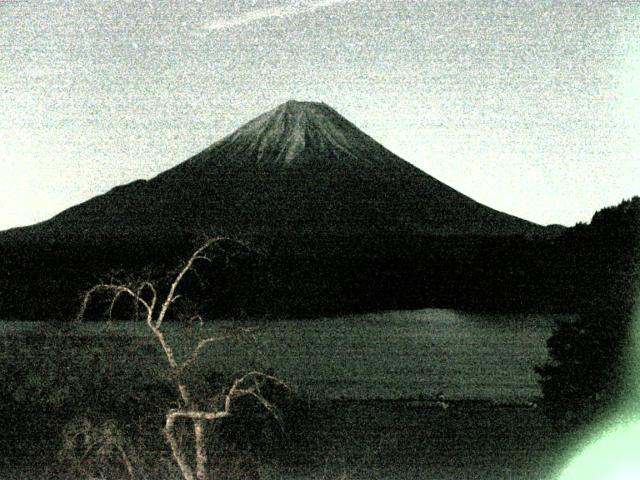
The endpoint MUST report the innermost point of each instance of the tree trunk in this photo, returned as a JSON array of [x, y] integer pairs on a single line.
[[201, 450], [185, 469]]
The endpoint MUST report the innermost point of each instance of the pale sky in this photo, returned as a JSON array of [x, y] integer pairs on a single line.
[[532, 108]]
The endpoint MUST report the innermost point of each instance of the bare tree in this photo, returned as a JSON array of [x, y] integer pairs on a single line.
[[154, 310]]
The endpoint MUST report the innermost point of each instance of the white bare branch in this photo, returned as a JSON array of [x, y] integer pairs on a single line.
[[202, 257], [198, 416], [145, 294], [113, 303], [233, 393], [204, 341], [117, 290], [197, 255], [236, 390], [193, 356], [154, 295], [200, 322], [176, 450]]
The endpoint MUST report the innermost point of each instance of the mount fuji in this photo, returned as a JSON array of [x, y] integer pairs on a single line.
[[299, 169]]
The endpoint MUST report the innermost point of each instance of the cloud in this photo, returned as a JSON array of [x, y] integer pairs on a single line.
[[283, 11]]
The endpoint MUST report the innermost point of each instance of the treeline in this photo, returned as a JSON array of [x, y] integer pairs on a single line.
[[589, 369], [319, 274]]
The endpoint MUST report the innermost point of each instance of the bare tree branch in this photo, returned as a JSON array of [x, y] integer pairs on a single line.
[[117, 290], [113, 302], [188, 266], [176, 450], [204, 341], [154, 296], [145, 294], [193, 357]]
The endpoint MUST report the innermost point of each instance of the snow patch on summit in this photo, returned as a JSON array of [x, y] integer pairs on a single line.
[[296, 139], [282, 134]]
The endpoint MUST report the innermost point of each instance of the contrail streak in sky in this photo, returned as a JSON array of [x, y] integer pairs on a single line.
[[266, 13]]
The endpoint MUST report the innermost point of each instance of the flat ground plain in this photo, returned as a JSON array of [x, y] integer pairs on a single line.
[[388, 355], [376, 374]]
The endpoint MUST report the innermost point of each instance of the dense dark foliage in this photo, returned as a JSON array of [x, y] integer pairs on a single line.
[[586, 375], [50, 377], [319, 275], [303, 276]]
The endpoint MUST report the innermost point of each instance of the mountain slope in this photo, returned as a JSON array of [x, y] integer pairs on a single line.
[[301, 168]]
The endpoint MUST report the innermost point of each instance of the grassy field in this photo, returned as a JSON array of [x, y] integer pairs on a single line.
[[371, 377], [399, 440], [389, 355], [403, 440]]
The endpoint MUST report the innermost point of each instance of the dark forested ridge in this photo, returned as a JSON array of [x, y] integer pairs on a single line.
[[323, 275]]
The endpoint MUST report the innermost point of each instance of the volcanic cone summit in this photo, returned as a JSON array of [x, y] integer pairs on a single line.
[[299, 168]]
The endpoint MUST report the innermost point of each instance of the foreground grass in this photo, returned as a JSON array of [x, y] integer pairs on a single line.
[[406, 440], [361, 385], [388, 355]]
